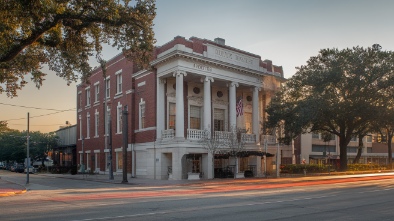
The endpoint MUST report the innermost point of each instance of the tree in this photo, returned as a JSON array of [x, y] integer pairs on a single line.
[[40, 143], [13, 146], [4, 126], [338, 91], [235, 142], [213, 145], [63, 34]]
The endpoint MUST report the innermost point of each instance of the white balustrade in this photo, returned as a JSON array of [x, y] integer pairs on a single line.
[[168, 134], [249, 138], [271, 139], [194, 134]]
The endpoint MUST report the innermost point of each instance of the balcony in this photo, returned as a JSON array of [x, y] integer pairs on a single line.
[[271, 139], [196, 135]]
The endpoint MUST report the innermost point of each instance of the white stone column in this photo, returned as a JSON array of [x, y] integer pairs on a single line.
[[207, 104], [258, 166], [179, 119], [232, 105], [255, 117], [160, 111]]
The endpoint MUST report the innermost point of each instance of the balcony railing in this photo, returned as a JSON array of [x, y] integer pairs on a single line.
[[168, 134], [271, 139], [194, 134], [249, 138]]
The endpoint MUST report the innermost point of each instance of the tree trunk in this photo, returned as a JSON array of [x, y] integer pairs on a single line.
[[359, 149], [389, 150], [343, 153]]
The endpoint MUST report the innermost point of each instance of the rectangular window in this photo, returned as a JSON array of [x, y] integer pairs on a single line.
[[369, 138], [79, 100], [171, 118], [88, 126], [322, 148], [119, 83], [119, 162], [354, 138], [195, 117], [88, 97], [315, 135], [108, 87], [119, 119], [97, 93], [248, 122], [142, 115], [218, 116], [96, 124], [80, 127]]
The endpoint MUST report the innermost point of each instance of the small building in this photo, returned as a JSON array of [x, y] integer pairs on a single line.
[[64, 155]]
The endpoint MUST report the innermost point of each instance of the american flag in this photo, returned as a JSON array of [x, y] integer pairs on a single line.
[[240, 107]]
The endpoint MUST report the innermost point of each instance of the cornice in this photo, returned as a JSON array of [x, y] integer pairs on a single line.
[[182, 54]]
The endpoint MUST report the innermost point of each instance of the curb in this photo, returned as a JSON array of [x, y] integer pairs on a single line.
[[14, 192]]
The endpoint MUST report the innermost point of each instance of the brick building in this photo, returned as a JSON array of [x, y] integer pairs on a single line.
[[193, 85]]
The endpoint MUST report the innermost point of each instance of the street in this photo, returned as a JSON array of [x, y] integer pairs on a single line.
[[361, 197]]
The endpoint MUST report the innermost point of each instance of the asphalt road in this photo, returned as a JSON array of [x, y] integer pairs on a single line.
[[362, 198]]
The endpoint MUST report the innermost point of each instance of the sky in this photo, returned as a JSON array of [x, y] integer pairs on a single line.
[[288, 32]]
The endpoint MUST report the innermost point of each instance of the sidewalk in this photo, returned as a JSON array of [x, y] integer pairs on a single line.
[[8, 188]]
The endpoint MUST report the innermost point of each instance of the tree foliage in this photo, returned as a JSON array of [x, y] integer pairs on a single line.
[[63, 34], [338, 91], [13, 145]]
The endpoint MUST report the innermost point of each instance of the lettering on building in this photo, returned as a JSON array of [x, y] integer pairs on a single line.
[[202, 67]]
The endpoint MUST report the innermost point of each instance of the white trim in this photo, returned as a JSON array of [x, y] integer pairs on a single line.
[[96, 151], [88, 151], [142, 102], [145, 129]]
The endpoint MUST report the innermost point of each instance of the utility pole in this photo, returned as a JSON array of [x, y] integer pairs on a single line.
[[111, 173], [125, 143], [83, 157], [27, 149]]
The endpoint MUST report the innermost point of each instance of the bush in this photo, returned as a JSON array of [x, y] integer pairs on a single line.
[[299, 168]]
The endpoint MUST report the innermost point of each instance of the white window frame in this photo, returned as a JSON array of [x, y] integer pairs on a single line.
[[119, 118], [87, 125], [119, 80], [80, 99], [200, 117], [80, 127], [108, 87], [96, 124], [96, 92], [87, 91], [142, 125]]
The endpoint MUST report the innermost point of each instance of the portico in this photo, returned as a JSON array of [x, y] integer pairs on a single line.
[[215, 91]]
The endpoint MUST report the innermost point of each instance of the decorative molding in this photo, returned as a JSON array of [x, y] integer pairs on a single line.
[[171, 94], [220, 102], [178, 73], [232, 84], [198, 100], [162, 81]]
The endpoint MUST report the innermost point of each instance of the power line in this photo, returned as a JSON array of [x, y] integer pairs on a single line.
[[37, 125], [38, 115], [38, 108]]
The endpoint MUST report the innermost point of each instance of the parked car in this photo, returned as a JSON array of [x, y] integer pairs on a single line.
[[31, 170], [19, 168]]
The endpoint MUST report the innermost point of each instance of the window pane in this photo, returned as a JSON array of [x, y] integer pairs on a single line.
[[172, 112], [195, 117]]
